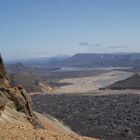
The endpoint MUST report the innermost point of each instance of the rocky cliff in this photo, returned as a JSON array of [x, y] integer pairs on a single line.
[[4, 80], [15, 97]]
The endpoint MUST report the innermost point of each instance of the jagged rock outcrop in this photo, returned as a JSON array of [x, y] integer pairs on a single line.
[[15, 97], [4, 79]]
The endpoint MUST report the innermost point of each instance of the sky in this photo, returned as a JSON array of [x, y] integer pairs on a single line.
[[44, 28]]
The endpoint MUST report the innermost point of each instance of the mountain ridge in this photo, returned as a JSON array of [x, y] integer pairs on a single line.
[[99, 60]]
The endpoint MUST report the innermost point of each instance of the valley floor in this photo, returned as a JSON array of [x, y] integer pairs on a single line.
[[91, 83]]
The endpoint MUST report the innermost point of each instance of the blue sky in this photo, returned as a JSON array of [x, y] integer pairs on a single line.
[[42, 28]]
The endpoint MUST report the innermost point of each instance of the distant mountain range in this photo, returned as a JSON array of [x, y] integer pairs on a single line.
[[99, 60], [37, 61], [87, 60]]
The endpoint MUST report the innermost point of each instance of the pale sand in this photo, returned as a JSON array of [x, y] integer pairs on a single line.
[[89, 84]]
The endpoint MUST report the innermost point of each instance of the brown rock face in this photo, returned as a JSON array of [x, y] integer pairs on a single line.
[[4, 80], [16, 97]]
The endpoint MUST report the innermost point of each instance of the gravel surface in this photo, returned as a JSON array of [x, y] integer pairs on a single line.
[[109, 117]]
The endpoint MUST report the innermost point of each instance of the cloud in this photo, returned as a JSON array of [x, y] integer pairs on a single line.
[[83, 43], [88, 44], [97, 45], [118, 47]]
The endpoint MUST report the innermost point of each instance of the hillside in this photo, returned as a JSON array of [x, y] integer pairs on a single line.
[[132, 82], [31, 79]]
